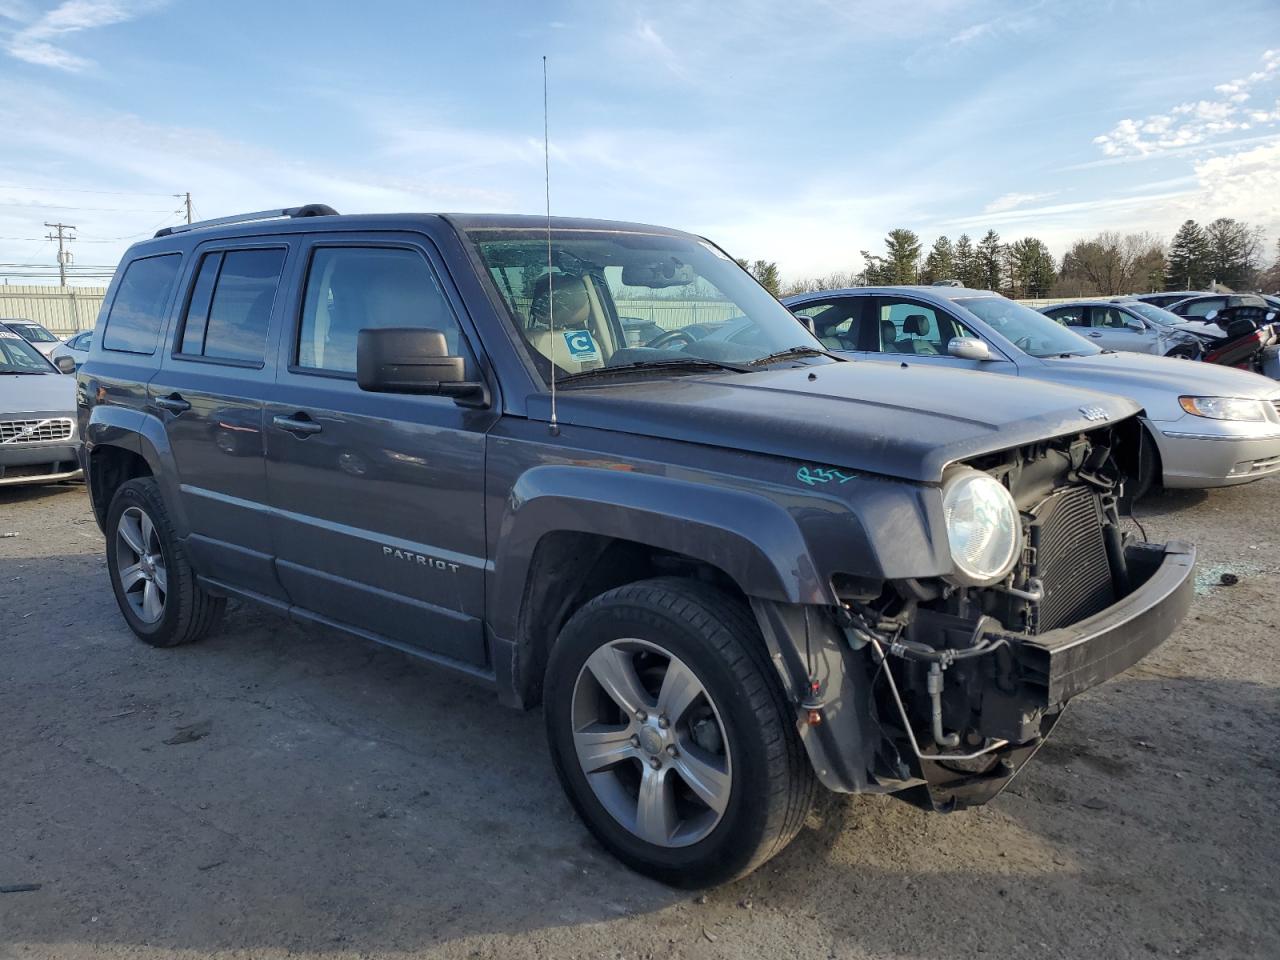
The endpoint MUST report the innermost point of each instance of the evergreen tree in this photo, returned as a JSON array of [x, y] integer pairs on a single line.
[[1234, 249], [988, 261], [1031, 268], [940, 263], [966, 261], [766, 271], [1188, 262], [902, 249]]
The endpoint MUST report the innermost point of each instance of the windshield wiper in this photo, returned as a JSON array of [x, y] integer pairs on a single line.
[[797, 351], [690, 363]]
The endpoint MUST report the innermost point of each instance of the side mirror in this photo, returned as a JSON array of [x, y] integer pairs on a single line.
[[968, 348], [1133, 324], [414, 360], [1211, 316], [65, 364]]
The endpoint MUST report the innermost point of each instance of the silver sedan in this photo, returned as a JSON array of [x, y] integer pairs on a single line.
[[1207, 425]]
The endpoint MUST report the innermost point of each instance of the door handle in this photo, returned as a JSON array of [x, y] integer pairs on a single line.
[[299, 424], [173, 403], [1096, 336]]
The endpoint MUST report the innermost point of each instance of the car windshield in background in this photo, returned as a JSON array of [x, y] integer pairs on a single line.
[[18, 356], [1155, 314], [33, 333], [1029, 331], [621, 299]]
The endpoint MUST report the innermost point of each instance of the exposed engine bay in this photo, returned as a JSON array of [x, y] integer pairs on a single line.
[[959, 679]]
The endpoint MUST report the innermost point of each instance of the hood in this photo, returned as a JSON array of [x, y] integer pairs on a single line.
[[1207, 331], [901, 420], [47, 393], [1154, 382]]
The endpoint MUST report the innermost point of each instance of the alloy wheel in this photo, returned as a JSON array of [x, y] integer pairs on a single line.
[[144, 579], [651, 743]]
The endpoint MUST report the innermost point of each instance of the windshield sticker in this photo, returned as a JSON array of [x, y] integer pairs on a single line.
[[815, 475], [581, 346], [6, 335]]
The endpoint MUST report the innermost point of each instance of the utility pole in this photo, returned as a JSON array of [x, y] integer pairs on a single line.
[[64, 255], [186, 199]]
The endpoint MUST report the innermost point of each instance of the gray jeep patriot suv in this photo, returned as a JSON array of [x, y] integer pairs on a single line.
[[596, 467]]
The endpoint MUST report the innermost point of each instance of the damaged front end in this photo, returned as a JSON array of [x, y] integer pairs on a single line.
[[940, 689]]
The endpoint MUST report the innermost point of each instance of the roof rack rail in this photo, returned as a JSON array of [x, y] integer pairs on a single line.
[[308, 210]]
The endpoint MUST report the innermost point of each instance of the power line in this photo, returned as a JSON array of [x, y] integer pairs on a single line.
[[104, 193], [56, 206]]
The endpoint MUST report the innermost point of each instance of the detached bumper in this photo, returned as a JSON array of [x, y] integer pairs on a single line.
[[1064, 662]]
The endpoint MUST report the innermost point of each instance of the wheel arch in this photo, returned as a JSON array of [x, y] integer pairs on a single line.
[[569, 534]]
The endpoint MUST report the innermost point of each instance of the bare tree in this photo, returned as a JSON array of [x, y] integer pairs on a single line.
[[1112, 263]]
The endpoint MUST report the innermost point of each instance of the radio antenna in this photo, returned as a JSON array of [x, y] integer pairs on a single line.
[[551, 299]]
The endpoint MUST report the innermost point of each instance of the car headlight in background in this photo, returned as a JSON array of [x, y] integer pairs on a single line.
[[1224, 408], [983, 528]]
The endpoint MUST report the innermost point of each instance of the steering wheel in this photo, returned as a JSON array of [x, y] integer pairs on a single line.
[[1023, 344], [662, 339]]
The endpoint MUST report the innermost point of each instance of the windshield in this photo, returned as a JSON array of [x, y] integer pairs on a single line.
[[619, 298], [18, 356], [33, 333], [1154, 314], [1029, 331]]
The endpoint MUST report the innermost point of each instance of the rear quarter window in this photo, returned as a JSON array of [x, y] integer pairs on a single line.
[[146, 290]]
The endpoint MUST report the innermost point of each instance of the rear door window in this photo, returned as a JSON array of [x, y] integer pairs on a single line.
[[140, 305], [230, 307], [1071, 316]]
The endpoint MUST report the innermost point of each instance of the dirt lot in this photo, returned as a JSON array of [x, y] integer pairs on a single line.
[[277, 792]]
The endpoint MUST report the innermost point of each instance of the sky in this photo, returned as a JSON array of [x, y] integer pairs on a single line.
[[797, 131]]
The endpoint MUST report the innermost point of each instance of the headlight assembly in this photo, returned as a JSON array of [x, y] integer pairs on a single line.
[[1224, 408], [983, 528]]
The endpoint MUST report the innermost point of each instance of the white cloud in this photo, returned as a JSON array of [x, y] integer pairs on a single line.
[[1011, 201], [39, 41], [1245, 185], [1195, 122]]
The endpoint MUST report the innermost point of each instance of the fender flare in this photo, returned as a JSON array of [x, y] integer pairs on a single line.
[[142, 434], [752, 539]]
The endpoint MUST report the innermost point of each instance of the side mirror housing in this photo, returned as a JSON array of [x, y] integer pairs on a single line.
[[414, 360], [65, 364], [968, 348], [1133, 324]]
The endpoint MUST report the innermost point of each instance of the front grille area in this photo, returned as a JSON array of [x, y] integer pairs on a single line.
[[35, 431], [1069, 557]]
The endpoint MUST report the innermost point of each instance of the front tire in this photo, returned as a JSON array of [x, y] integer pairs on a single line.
[[671, 734], [154, 584]]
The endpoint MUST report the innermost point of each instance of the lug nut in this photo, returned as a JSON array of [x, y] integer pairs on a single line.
[[655, 763], [635, 741], [641, 716], [672, 751], [663, 722]]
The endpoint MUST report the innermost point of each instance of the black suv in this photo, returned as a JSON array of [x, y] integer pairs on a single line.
[[728, 564]]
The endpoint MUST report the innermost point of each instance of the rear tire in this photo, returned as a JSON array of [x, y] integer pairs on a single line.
[[154, 584], [705, 736]]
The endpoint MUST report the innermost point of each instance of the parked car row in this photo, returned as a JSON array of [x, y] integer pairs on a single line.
[[1237, 330]]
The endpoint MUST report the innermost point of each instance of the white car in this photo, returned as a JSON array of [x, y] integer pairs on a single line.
[[39, 440], [68, 356], [35, 334]]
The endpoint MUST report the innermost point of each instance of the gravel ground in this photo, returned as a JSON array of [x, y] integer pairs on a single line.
[[279, 792]]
